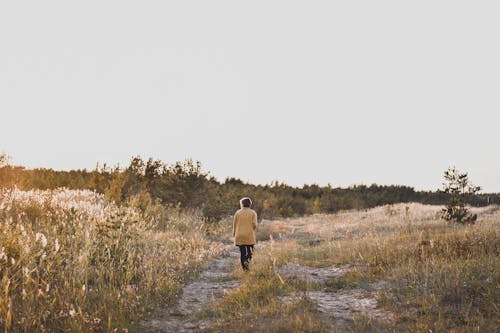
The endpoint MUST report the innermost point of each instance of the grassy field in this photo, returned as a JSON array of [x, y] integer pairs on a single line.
[[390, 269], [71, 261]]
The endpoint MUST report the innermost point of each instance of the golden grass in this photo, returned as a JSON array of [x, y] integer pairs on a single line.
[[437, 277], [70, 261], [255, 306]]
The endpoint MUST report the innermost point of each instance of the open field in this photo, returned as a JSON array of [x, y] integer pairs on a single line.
[[72, 261], [393, 268]]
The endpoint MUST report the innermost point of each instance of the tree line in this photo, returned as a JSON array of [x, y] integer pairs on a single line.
[[186, 185]]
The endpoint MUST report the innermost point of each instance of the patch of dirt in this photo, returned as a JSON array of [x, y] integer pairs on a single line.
[[341, 307], [313, 274], [212, 284]]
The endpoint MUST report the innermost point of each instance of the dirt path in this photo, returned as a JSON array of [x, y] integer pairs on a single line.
[[211, 285], [336, 308]]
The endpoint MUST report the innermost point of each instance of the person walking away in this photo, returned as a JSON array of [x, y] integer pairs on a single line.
[[244, 226]]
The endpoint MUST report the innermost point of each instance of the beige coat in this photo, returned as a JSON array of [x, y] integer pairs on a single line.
[[244, 226]]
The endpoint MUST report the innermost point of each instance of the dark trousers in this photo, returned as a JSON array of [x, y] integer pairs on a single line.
[[246, 256]]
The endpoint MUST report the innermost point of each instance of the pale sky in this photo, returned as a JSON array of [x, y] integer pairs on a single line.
[[340, 92]]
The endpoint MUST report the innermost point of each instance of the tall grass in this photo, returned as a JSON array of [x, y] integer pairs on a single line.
[[71, 261]]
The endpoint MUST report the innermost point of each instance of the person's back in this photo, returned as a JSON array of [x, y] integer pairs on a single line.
[[244, 226]]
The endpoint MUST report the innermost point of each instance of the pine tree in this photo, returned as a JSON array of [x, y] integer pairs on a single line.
[[458, 185]]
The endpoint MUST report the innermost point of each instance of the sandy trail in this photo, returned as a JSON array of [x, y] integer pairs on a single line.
[[211, 285]]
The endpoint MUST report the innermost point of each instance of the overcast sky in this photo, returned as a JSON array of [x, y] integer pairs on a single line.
[[340, 92]]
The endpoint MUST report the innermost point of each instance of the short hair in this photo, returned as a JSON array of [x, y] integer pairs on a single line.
[[246, 202]]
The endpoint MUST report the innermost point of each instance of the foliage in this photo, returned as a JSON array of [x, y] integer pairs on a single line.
[[186, 185], [458, 186], [4, 159]]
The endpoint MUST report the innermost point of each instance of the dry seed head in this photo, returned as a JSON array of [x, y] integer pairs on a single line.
[[41, 237]]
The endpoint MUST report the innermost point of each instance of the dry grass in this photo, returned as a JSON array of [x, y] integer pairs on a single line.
[[256, 307], [434, 277], [70, 261]]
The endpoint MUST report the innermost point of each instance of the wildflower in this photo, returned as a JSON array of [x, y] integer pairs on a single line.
[[56, 246]]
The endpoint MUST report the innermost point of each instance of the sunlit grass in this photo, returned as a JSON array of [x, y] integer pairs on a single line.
[[71, 261], [255, 306], [435, 276]]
